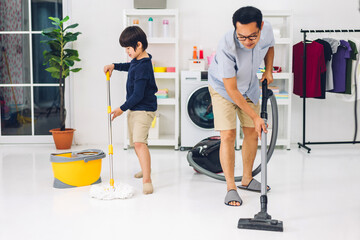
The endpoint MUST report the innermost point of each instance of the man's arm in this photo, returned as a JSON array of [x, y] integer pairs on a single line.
[[232, 90], [269, 60]]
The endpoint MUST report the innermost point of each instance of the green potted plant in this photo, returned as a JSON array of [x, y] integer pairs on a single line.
[[60, 61]]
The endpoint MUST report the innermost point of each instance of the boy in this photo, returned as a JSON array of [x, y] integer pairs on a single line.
[[140, 97]]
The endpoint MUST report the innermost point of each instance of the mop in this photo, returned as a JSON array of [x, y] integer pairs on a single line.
[[111, 191], [20, 118]]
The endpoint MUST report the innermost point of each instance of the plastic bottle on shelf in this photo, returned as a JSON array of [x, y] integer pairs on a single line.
[[166, 28], [201, 52], [195, 52], [136, 22], [150, 30]]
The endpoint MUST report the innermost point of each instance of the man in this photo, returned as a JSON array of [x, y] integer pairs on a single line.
[[234, 89]]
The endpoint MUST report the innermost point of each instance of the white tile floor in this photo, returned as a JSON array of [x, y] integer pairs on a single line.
[[316, 195]]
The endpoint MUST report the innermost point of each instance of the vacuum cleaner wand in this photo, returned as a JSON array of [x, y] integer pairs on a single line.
[[262, 220]]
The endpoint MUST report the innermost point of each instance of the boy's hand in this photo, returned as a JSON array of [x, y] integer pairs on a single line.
[[117, 112], [109, 68]]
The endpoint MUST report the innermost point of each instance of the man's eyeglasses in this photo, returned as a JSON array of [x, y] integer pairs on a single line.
[[251, 38]]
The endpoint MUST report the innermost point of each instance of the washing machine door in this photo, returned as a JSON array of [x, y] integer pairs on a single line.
[[199, 108]]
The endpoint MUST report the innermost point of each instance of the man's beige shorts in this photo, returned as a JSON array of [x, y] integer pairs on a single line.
[[225, 112], [139, 123]]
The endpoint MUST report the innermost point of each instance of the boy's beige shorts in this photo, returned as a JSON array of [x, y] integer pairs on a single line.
[[225, 112], [139, 123]]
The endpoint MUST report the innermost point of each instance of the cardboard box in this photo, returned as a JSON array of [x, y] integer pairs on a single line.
[[150, 4]]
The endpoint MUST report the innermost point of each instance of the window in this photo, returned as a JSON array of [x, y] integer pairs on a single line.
[[29, 96]]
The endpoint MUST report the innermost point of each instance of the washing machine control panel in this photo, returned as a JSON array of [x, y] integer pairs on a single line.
[[198, 76]]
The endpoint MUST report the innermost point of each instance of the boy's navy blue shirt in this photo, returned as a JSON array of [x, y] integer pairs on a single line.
[[140, 86]]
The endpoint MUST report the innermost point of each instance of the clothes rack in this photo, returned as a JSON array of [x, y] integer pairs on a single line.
[[304, 143]]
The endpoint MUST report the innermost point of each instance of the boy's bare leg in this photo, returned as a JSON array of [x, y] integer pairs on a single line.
[[142, 152]]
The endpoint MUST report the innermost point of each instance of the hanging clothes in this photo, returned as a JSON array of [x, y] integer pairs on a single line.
[[355, 75], [339, 66], [315, 66], [327, 56], [349, 63], [329, 73]]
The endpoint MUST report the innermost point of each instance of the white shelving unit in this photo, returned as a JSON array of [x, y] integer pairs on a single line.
[[282, 24], [165, 53]]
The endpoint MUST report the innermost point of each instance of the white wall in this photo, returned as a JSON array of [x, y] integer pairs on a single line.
[[202, 22]]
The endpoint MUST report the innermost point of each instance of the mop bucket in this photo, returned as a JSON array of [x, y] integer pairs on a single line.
[[76, 169]]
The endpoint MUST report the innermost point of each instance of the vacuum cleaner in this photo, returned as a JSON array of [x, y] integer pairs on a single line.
[[262, 220], [210, 149]]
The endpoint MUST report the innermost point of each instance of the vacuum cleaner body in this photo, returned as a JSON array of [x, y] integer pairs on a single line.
[[206, 154]]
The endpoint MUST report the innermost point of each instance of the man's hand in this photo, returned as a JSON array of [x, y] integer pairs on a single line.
[[117, 112], [269, 59], [267, 75], [259, 125], [109, 68]]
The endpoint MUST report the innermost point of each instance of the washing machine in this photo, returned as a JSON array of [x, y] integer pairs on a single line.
[[197, 119]]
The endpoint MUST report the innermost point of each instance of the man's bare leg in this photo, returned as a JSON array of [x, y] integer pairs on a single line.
[[227, 158], [249, 148]]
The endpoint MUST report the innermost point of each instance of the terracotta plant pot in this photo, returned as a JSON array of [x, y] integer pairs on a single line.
[[63, 139]]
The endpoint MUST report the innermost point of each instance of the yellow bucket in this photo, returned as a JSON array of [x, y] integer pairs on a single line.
[[76, 169]]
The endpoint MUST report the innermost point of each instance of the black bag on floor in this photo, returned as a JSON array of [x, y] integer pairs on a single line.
[[206, 154]]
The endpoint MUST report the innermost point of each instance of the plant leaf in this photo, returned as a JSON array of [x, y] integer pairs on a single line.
[[55, 75], [55, 19], [71, 52], [73, 58], [70, 37], [72, 26], [69, 62], [56, 24], [75, 69], [65, 19], [66, 73], [52, 34], [52, 69]]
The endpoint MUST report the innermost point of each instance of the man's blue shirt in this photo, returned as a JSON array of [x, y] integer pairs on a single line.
[[233, 59]]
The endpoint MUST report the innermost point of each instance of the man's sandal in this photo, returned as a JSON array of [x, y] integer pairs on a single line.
[[232, 196]]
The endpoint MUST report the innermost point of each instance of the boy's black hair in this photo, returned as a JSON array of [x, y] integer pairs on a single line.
[[247, 15], [131, 36]]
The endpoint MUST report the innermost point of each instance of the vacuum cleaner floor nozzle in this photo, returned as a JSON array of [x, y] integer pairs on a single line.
[[261, 224]]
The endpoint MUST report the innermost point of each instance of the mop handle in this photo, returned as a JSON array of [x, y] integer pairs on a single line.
[[264, 138], [8, 69], [109, 129]]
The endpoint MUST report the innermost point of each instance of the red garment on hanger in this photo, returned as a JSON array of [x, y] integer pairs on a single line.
[[315, 66]]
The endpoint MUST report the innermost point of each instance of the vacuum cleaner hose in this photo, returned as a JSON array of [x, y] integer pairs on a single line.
[[270, 150]]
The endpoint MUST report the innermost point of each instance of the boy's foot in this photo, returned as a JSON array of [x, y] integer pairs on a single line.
[[148, 188], [138, 175]]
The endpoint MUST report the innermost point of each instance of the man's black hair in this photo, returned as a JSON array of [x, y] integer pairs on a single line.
[[131, 36], [247, 15]]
